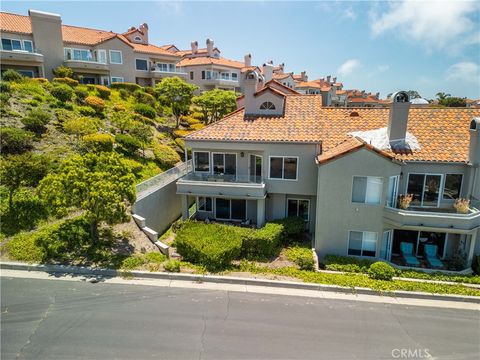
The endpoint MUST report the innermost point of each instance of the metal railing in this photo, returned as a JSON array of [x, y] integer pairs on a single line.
[[148, 186], [220, 178]]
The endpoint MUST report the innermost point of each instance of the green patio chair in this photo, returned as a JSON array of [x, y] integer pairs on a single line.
[[406, 250], [431, 256]]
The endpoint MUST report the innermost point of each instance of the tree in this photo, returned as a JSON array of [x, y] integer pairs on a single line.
[[453, 101], [143, 134], [442, 95], [413, 94], [79, 127], [123, 120], [215, 104], [177, 94], [100, 185], [63, 72], [22, 170]]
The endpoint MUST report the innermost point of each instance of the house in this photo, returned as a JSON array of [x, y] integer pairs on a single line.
[[38, 43], [357, 98], [342, 171], [330, 90]]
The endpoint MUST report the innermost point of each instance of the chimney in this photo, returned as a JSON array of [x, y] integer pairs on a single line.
[[398, 119], [144, 29], [194, 45], [377, 95], [474, 146], [210, 47], [268, 71], [248, 60], [304, 76], [252, 83], [328, 79], [282, 67], [334, 80]]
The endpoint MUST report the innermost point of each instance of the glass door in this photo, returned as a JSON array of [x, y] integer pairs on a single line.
[[386, 249], [255, 168], [225, 164], [392, 191], [425, 189]]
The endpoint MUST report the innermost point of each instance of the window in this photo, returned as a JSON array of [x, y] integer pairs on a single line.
[[28, 46], [116, 79], [116, 57], [191, 75], [203, 74], [392, 191], [16, 45], [224, 164], [230, 209], [166, 67], [362, 243], [225, 76], [283, 167], [234, 76], [26, 73], [202, 161], [452, 187], [77, 54], [425, 189], [137, 38], [255, 168], [204, 203], [267, 105], [102, 56], [141, 64], [367, 189], [298, 207]]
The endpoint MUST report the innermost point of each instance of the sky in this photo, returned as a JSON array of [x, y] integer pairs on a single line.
[[381, 46]]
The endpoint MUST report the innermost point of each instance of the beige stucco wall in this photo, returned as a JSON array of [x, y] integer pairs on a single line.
[[205, 84]]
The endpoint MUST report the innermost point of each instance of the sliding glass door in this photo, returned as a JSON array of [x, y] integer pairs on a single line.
[[425, 189], [230, 209], [224, 164], [255, 168]]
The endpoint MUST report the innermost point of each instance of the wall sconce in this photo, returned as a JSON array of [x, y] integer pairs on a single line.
[[401, 174], [242, 154]]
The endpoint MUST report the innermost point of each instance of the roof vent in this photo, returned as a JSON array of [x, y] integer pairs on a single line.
[[354, 113]]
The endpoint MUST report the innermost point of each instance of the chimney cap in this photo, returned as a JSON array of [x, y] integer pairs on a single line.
[[401, 97]]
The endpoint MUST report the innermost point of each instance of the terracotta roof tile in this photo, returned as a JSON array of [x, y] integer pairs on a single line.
[[348, 146], [205, 60], [15, 23], [279, 86], [85, 36], [281, 76]]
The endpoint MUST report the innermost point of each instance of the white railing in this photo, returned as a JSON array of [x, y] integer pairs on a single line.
[[154, 183]]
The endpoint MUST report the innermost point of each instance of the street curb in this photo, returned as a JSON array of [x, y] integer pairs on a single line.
[[88, 271]]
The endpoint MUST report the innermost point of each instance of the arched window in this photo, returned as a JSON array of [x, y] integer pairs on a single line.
[[267, 105], [137, 38]]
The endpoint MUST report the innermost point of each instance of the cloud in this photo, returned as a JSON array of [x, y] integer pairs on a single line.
[[173, 7], [348, 67], [349, 14], [383, 68], [437, 24], [463, 71]]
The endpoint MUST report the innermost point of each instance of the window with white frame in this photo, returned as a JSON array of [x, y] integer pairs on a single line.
[[426, 189], [392, 190], [116, 79], [230, 209], [137, 38], [141, 64], [77, 54], [362, 243], [267, 105], [205, 204], [116, 57], [452, 186], [299, 208], [166, 67], [28, 46], [11, 44], [225, 76], [367, 189], [224, 163], [201, 161], [283, 167], [102, 56], [234, 76]]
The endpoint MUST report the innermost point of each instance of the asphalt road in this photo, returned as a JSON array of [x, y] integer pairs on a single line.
[[51, 319]]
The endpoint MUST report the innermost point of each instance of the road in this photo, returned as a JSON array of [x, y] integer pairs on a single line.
[[54, 319]]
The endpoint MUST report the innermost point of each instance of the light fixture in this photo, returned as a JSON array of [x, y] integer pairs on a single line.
[[242, 154]]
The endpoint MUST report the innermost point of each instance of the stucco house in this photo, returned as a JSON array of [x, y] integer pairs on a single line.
[[342, 170]]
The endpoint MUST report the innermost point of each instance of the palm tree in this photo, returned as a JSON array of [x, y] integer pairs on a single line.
[[442, 96]]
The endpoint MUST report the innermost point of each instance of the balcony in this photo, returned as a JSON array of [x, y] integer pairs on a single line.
[[159, 73], [222, 82], [431, 217], [90, 66], [15, 57], [245, 186]]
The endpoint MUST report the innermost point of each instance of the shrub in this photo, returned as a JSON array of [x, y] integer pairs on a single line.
[[86, 111], [301, 256], [14, 140], [149, 90], [62, 92], [63, 115], [165, 155], [98, 142], [11, 75], [211, 245], [96, 103], [81, 94], [127, 143], [172, 266], [36, 120], [347, 264], [181, 133], [476, 264], [103, 92], [65, 80], [197, 115], [4, 99], [292, 226], [130, 87], [42, 81], [124, 94], [63, 72], [261, 243], [145, 110], [196, 127], [119, 107], [381, 271], [144, 98], [180, 142], [5, 87], [155, 257], [132, 262]]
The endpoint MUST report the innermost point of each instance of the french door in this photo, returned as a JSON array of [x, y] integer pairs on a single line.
[[386, 247], [393, 191], [425, 189], [255, 168]]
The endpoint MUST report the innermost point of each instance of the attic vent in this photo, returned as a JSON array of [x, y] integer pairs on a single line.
[[267, 105], [354, 113]]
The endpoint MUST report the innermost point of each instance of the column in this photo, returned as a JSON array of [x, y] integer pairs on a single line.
[[473, 239], [185, 207], [260, 212]]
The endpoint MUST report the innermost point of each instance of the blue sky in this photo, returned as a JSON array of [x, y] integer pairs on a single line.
[[375, 46]]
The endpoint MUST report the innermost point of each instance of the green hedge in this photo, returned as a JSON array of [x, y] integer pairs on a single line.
[[98, 142], [381, 271], [292, 227], [261, 244], [347, 264], [165, 155], [302, 256], [127, 144], [65, 80], [131, 87], [62, 92], [145, 110], [211, 245]]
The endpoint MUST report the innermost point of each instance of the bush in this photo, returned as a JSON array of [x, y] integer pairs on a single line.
[[98, 142], [132, 262], [261, 244], [103, 92], [165, 155], [11, 75], [14, 140], [180, 143], [41, 80], [196, 127], [5, 87], [36, 120], [181, 133], [211, 245], [198, 115], [292, 227], [155, 257], [62, 92], [301, 256], [81, 94], [96, 103], [145, 110], [347, 264], [65, 80], [127, 143], [172, 266], [130, 87], [124, 94], [63, 72], [381, 271], [144, 98], [86, 111]]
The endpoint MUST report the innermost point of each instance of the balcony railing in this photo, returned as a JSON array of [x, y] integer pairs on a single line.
[[223, 178], [165, 71]]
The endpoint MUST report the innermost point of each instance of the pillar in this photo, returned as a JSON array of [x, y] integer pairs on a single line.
[[260, 212], [185, 207], [473, 239]]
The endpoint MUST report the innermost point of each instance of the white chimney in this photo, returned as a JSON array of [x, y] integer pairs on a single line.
[[194, 45], [268, 71], [252, 83], [398, 119], [474, 146], [304, 76], [328, 78], [334, 80], [210, 47], [144, 29], [248, 60]]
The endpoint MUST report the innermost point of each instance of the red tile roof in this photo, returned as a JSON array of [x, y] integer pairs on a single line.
[[15, 23], [205, 60]]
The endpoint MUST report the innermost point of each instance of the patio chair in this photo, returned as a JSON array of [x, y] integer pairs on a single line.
[[406, 250], [431, 256]]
